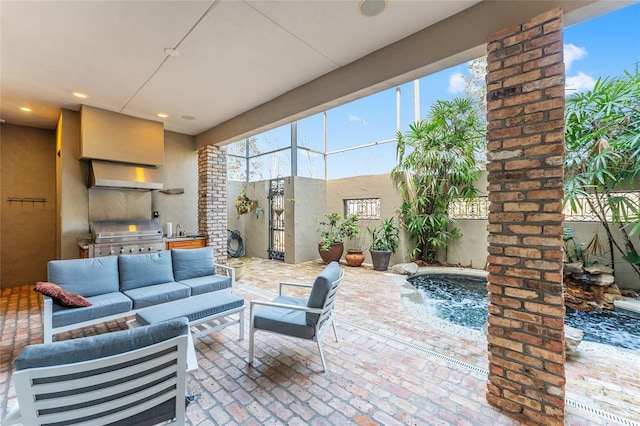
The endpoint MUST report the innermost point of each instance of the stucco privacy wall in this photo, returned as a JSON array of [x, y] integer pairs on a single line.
[[525, 135]]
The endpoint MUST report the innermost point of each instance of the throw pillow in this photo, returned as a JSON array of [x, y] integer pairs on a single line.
[[61, 296]]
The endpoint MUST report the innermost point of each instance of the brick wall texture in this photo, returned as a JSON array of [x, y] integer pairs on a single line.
[[525, 135], [212, 199]]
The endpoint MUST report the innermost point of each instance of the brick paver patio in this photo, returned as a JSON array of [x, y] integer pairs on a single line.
[[389, 368]]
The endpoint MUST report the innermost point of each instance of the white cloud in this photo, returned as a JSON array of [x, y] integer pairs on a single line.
[[579, 83], [356, 119], [573, 53], [456, 83]]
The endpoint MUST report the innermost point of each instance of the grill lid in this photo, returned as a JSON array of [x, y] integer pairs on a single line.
[[118, 231]]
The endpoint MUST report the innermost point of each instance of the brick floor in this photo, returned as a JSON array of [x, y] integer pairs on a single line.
[[389, 367]]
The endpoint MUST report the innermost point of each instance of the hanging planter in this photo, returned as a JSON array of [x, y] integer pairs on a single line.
[[244, 204]]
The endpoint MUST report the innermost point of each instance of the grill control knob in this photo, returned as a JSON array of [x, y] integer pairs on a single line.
[[132, 250], [150, 248], [112, 251], [121, 250]]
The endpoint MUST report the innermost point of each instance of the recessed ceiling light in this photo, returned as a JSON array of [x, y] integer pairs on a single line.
[[162, 115], [372, 7], [80, 95], [170, 51], [25, 109], [187, 117]]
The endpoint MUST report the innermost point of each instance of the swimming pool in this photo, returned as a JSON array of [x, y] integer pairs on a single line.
[[462, 300]]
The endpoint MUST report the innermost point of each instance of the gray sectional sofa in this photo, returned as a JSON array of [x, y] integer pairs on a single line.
[[118, 286]]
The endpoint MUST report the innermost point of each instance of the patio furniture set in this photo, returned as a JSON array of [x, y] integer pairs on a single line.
[[173, 296]]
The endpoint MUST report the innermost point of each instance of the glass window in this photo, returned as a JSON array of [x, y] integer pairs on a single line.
[[310, 164], [311, 132], [270, 166], [363, 121], [274, 139], [372, 160]]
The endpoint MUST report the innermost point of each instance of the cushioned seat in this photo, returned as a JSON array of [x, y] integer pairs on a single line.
[[194, 308], [102, 305], [286, 321], [157, 293], [207, 284]]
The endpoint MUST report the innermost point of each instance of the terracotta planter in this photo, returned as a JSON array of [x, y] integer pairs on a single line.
[[354, 257], [333, 254], [380, 259]]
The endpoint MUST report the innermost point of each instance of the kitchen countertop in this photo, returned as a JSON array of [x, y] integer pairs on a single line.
[[184, 238]]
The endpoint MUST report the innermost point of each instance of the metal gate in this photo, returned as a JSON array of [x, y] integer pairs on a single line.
[[276, 219]]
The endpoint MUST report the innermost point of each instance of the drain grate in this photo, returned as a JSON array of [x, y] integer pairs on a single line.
[[484, 372]]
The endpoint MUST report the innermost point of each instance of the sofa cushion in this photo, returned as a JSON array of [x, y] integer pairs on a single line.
[[320, 289], [282, 320], [194, 308], [207, 284], [143, 270], [86, 277], [158, 293], [100, 346], [61, 296], [192, 263], [102, 305]]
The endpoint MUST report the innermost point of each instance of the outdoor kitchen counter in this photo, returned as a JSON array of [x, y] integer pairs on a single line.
[[185, 242]]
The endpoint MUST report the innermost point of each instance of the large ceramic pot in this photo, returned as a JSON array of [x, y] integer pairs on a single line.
[[354, 257], [333, 254], [380, 259]]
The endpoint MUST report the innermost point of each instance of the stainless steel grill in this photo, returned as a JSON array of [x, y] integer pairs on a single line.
[[115, 237]]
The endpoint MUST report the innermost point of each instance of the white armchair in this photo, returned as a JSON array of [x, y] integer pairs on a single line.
[[121, 378]]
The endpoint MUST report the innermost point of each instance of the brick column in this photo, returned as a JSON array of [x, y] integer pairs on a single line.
[[212, 199], [525, 134]]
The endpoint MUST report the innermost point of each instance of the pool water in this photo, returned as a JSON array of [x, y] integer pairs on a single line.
[[462, 300]]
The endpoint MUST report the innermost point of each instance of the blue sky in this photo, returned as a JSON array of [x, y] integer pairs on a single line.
[[604, 46]]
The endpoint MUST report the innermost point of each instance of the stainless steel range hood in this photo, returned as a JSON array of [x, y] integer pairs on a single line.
[[106, 174]]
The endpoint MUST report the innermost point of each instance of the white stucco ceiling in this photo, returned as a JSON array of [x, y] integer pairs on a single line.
[[234, 55]]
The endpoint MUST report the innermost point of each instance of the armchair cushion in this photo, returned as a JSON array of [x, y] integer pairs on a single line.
[[320, 289], [100, 346], [193, 263], [282, 320]]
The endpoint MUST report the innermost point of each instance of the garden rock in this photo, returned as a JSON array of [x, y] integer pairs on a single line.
[[572, 338], [573, 268], [598, 269], [405, 268]]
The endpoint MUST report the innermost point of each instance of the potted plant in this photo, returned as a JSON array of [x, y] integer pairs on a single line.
[[244, 204], [384, 242], [333, 229]]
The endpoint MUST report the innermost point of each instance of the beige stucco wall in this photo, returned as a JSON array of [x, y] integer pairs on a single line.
[[254, 226], [371, 186], [73, 205], [309, 202], [180, 170], [27, 229]]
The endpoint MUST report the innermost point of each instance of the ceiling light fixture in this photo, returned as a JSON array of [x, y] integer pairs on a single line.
[[372, 8], [80, 95], [163, 115], [25, 109], [187, 117], [170, 51]]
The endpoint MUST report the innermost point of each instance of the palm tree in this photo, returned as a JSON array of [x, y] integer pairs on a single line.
[[602, 137], [437, 164]]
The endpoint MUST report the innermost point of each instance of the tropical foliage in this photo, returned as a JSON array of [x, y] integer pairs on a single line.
[[385, 236], [603, 158], [335, 228], [437, 164]]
